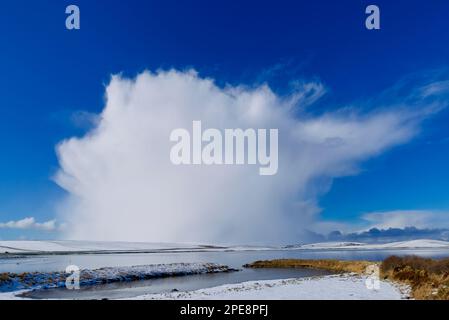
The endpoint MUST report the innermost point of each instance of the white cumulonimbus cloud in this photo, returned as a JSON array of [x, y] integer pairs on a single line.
[[122, 185]]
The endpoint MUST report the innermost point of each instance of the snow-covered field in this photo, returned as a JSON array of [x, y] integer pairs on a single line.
[[412, 244], [87, 246], [335, 287], [67, 247]]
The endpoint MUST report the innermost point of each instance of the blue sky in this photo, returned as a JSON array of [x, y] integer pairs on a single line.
[[49, 74]]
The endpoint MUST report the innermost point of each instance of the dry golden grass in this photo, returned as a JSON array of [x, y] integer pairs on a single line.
[[327, 264], [428, 278], [4, 277]]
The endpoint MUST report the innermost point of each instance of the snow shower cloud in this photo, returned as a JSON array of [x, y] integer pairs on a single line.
[[122, 185]]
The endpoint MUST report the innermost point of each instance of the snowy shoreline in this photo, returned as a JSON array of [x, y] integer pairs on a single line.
[[333, 287], [44, 280]]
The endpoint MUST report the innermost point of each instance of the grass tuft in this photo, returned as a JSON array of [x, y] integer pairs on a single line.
[[428, 278]]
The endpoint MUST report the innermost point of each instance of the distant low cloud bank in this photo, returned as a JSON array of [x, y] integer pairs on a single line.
[[30, 223], [389, 226], [375, 235]]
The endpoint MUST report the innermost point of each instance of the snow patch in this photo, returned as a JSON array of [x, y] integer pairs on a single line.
[[334, 287]]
